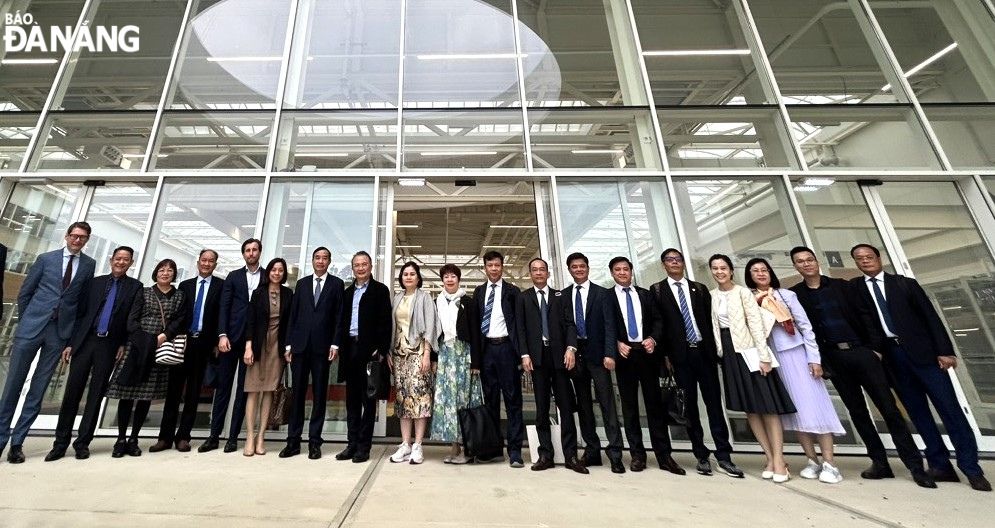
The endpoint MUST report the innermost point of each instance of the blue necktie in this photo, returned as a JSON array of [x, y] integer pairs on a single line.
[[579, 315], [544, 312], [883, 305], [105, 313], [631, 311], [198, 307], [485, 322], [317, 291], [686, 314]]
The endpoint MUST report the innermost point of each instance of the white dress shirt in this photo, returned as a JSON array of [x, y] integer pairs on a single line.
[[870, 289], [321, 285], [585, 288], [623, 305], [498, 328], [65, 261], [539, 298], [193, 302], [687, 296], [252, 278]]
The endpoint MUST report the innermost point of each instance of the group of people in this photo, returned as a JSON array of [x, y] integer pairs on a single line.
[[774, 345]]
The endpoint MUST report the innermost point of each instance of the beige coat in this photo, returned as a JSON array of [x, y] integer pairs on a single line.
[[746, 322]]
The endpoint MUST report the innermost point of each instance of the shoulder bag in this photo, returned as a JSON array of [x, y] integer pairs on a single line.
[[169, 353]]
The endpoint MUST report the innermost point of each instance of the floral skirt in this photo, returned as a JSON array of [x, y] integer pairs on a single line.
[[452, 391], [414, 389]]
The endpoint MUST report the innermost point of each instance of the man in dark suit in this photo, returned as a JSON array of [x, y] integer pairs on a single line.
[[638, 330], [203, 299], [848, 335], [227, 368], [48, 312], [497, 302], [593, 313], [686, 308], [366, 328], [313, 343], [96, 345], [547, 334], [918, 354]]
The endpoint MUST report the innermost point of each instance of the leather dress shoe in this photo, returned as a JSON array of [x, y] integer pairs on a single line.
[[922, 479], [346, 454], [359, 458], [209, 445], [16, 455], [120, 449], [314, 452], [591, 459], [289, 451], [637, 464], [727, 467], [231, 445], [82, 453], [943, 475], [704, 467], [161, 445], [183, 446], [132, 448], [542, 464], [877, 471], [574, 465], [617, 465], [55, 454], [980, 483], [671, 465]]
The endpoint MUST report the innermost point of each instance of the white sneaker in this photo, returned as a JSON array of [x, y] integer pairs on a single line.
[[417, 457], [830, 474], [811, 470], [403, 453]]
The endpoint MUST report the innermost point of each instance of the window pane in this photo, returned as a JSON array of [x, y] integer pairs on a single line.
[[118, 214], [195, 140], [697, 54], [16, 130], [579, 53], [593, 138], [348, 54], [744, 138], [233, 53], [485, 139], [967, 133], [337, 140], [94, 141], [138, 74]]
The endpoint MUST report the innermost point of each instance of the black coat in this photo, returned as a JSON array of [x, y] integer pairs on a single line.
[[468, 329], [652, 322], [376, 325], [599, 321], [233, 311], [257, 324], [862, 319], [700, 300], [562, 331], [509, 307], [128, 290], [316, 325], [211, 308]]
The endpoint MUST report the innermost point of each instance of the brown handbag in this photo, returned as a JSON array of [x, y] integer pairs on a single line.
[[283, 397]]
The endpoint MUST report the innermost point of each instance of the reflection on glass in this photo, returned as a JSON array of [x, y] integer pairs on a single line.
[[16, 130], [483, 139], [747, 138], [967, 133], [950, 260], [337, 140], [696, 53], [118, 214], [593, 138], [232, 57], [94, 141], [195, 140]]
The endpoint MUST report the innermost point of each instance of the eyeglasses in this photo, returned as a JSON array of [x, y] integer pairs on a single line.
[[673, 260], [78, 237]]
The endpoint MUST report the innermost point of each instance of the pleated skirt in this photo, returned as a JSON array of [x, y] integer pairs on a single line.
[[751, 392]]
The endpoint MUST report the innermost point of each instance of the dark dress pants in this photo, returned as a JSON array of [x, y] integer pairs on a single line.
[[588, 373], [229, 369], [857, 370], [550, 381], [185, 383], [641, 370], [501, 377], [917, 386], [92, 362], [361, 412], [696, 373], [312, 366]]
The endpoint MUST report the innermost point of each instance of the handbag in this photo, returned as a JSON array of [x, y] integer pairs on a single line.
[[374, 376], [480, 429], [170, 353], [674, 401], [283, 397]]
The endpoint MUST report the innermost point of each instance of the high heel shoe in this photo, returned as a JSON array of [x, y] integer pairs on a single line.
[[249, 443], [260, 446], [781, 479]]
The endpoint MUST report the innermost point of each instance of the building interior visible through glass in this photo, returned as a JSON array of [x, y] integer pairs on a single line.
[[602, 126]]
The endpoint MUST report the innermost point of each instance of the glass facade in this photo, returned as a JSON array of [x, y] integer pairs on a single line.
[[438, 129]]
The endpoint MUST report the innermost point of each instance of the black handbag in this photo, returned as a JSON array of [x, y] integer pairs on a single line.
[[374, 377], [674, 401], [480, 429]]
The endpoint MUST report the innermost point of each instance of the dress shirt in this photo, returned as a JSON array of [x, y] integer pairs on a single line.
[[196, 293], [498, 326], [687, 296], [585, 288], [65, 260], [252, 278], [539, 298], [636, 305], [356, 297], [870, 289], [321, 287]]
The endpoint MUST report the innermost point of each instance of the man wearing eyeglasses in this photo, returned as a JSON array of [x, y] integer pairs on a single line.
[[47, 306]]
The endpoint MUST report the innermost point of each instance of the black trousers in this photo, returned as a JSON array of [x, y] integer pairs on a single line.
[[639, 370], [502, 377], [588, 373], [229, 369], [699, 373], [855, 371], [185, 383], [307, 366], [361, 412], [93, 361], [549, 381]]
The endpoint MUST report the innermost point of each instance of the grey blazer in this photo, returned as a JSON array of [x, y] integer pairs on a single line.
[[42, 294]]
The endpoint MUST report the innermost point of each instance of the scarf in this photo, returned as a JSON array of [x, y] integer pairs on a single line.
[[775, 306], [448, 306]]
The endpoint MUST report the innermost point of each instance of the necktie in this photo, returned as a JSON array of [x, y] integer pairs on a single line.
[[317, 290], [883, 305], [686, 314], [198, 306], [485, 322], [105, 313], [544, 313], [67, 277], [631, 312], [579, 315]]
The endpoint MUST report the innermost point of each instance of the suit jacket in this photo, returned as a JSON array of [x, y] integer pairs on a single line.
[[919, 328], [652, 322], [316, 325], [257, 324], [599, 321], [234, 307], [509, 306], [468, 329], [212, 304], [376, 323], [42, 294], [3, 272], [128, 289], [700, 304], [862, 319], [562, 330]]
